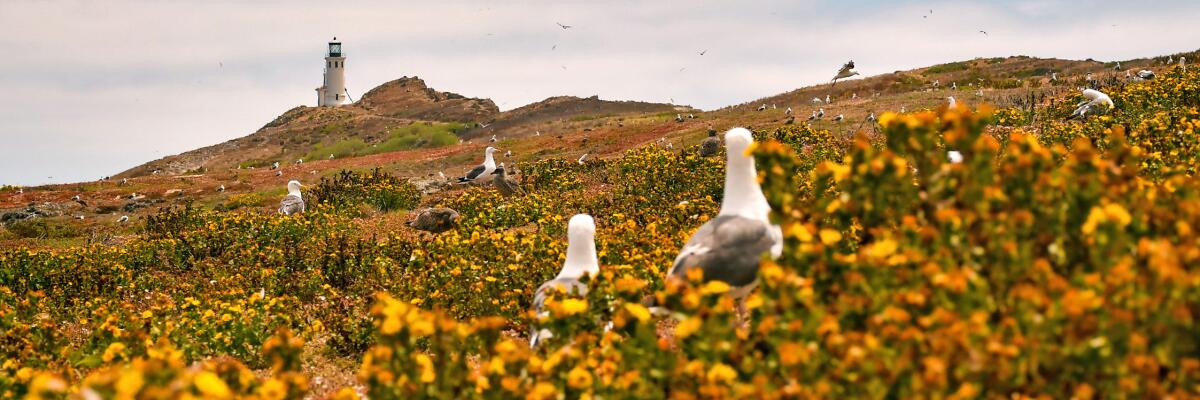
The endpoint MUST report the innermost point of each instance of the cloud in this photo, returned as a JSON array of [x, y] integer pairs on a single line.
[[93, 88]]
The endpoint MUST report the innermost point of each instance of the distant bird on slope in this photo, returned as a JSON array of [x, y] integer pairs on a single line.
[[728, 248], [435, 220], [762, 107], [124, 218], [582, 159], [788, 111], [293, 203], [482, 172], [493, 139], [1145, 74], [505, 184], [813, 117], [508, 153], [839, 118], [711, 145], [221, 188], [846, 71], [79, 200], [678, 118], [820, 113], [1092, 98], [581, 260]]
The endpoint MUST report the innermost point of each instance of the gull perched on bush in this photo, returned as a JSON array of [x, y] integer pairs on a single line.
[[293, 203], [581, 259], [1092, 98], [482, 172], [711, 144], [728, 248]]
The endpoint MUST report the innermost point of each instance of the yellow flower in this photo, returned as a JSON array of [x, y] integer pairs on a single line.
[[721, 373], [687, 327], [882, 248], [426, 365], [714, 287], [211, 386], [272, 389], [638, 311], [579, 378], [573, 306], [114, 350], [830, 236], [129, 383]]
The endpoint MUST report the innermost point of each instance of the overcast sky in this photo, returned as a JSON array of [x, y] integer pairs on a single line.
[[91, 88]]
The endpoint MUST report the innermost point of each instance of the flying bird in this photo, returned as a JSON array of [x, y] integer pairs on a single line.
[[482, 172], [581, 260], [846, 71], [703, 51], [728, 248], [984, 33], [563, 26], [293, 203]]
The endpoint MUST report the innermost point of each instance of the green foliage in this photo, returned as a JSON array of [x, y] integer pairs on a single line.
[[945, 68], [378, 189]]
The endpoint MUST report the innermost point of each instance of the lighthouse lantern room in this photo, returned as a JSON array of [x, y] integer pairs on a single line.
[[332, 92]]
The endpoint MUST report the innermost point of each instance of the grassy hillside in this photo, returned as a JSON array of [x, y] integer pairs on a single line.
[[1059, 260]]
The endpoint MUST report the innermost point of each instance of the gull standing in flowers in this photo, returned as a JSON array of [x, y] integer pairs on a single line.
[[482, 172], [728, 248], [581, 259], [711, 144], [505, 184], [293, 203], [1092, 98]]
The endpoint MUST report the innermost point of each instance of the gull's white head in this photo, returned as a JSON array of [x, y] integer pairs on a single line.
[[1098, 97], [581, 248], [294, 187], [737, 140], [489, 150]]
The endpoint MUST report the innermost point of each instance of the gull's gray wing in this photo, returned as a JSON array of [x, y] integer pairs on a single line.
[[727, 248], [475, 173], [291, 205]]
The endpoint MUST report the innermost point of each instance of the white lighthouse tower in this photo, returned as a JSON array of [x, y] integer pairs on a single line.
[[332, 92]]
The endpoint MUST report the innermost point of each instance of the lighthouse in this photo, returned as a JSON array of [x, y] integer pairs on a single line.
[[332, 92]]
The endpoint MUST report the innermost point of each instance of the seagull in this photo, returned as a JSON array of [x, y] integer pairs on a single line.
[[1182, 64], [853, 95], [442, 175], [670, 146], [979, 93], [482, 125], [788, 111], [505, 184], [951, 104], [816, 100], [482, 172], [846, 71], [871, 117], [124, 181], [984, 33], [330, 156], [1170, 59], [903, 110], [711, 145], [221, 189], [124, 218], [1145, 74], [293, 203], [508, 153], [813, 116], [1092, 98], [1054, 77], [955, 156], [678, 118], [563, 26], [275, 165], [1089, 77], [79, 200], [435, 220], [728, 248], [762, 107], [299, 161], [582, 159], [537, 133], [581, 260], [827, 100], [278, 173], [493, 140], [839, 118], [820, 113], [703, 51], [937, 82], [953, 85], [1118, 67]]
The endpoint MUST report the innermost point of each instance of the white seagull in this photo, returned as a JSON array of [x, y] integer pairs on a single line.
[[1092, 98], [582, 159], [581, 260], [951, 104], [482, 173], [293, 203], [762, 107], [839, 118], [788, 111], [728, 248]]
